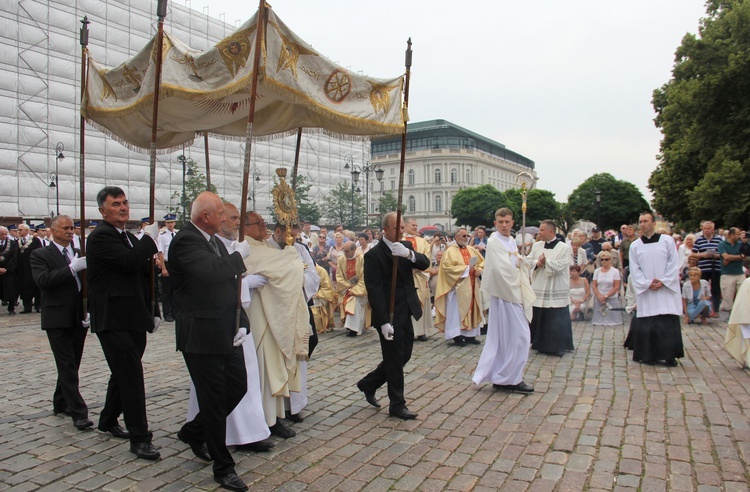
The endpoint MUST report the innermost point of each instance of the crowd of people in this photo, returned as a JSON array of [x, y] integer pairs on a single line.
[[248, 366]]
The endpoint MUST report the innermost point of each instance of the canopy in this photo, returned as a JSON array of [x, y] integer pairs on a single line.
[[210, 91]]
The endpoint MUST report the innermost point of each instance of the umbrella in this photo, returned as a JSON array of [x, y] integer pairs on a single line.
[[429, 230]]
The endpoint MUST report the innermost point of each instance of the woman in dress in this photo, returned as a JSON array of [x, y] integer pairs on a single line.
[[696, 297], [579, 293], [606, 288], [683, 251]]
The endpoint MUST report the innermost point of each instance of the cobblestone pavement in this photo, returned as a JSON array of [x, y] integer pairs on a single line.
[[597, 421]]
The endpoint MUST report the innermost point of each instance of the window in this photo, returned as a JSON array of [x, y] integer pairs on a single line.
[[454, 176], [438, 176], [393, 184], [468, 176], [412, 204], [393, 171], [438, 203], [482, 180], [411, 177]]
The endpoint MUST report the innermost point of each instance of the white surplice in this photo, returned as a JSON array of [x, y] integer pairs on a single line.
[[657, 260]]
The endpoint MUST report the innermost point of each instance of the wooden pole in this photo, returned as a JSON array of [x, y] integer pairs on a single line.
[[208, 167], [84, 41], [295, 169], [161, 12], [401, 175], [259, 34]]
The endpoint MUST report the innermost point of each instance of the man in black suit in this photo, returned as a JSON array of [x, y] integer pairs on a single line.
[[27, 289], [204, 277], [8, 259], [397, 335], [56, 270], [121, 313]]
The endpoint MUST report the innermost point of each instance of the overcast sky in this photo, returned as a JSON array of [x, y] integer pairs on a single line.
[[567, 84]]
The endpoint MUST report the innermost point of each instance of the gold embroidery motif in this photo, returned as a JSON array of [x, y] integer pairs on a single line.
[[380, 96], [189, 61], [289, 54], [337, 86], [235, 50], [107, 89]]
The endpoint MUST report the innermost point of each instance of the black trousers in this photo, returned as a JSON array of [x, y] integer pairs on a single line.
[[126, 393], [167, 296], [220, 384], [714, 279], [67, 348], [396, 353]]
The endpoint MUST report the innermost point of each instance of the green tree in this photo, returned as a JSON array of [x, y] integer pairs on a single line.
[[337, 205], [704, 115], [195, 184], [476, 206], [621, 202], [306, 209], [386, 203]]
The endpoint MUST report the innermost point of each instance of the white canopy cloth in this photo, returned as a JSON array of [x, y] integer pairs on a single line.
[[210, 91]]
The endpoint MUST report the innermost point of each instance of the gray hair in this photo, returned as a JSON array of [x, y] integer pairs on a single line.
[[387, 217], [57, 219]]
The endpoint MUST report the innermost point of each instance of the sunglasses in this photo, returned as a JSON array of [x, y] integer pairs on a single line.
[[606, 259]]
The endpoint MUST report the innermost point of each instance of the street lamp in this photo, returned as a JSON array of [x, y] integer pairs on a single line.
[[355, 179], [54, 179], [256, 177], [598, 194], [187, 170], [356, 171]]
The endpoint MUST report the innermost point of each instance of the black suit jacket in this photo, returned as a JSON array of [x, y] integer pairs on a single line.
[[378, 274], [205, 293], [62, 303], [118, 280]]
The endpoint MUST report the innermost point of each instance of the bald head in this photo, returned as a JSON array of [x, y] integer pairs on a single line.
[[350, 248], [207, 212]]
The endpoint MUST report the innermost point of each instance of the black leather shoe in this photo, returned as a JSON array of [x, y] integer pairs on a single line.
[[200, 450], [144, 450], [294, 417], [116, 431], [523, 388], [61, 411], [258, 446], [284, 432], [370, 397], [403, 413], [459, 340], [26, 311], [231, 482], [472, 340], [671, 362], [351, 333], [169, 319], [83, 423], [422, 338]]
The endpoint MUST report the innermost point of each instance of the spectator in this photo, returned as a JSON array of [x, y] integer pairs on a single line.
[[696, 297], [579, 293], [606, 287], [732, 274], [684, 251], [480, 240], [333, 255], [320, 252], [607, 246], [596, 240], [709, 261], [579, 256]]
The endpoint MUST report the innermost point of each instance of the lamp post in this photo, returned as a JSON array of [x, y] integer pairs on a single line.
[[187, 170], [54, 179], [598, 205], [356, 170], [256, 177]]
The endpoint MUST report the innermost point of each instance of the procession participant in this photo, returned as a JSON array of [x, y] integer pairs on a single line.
[[737, 337], [506, 281], [141, 226], [424, 326], [43, 235], [246, 427], [121, 314], [8, 262], [56, 269], [25, 285], [13, 232], [397, 334], [280, 335], [549, 261], [654, 269], [163, 242], [350, 286], [458, 300], [322, 300]]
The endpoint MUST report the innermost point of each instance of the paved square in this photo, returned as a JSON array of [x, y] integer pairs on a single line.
[[597, 421]]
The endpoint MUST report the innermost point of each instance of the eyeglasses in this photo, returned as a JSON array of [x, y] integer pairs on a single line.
[[462, 235], [248, 224]]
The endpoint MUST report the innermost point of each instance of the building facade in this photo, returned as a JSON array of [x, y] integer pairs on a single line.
[[441, 159]]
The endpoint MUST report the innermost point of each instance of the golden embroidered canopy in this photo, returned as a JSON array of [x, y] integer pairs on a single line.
[[210, 91]]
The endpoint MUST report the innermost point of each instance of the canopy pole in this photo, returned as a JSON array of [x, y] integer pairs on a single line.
[[259, 34], [84, 41], [296, 160], [208, 166], [161, 12], [405, 116]]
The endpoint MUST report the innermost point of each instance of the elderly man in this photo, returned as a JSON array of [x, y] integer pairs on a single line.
[[706, 248], [56, 269], [350, 286], [506, 281], [26, 287], [458, 301], [323, 301], [121, 313], [607, 246], [396, 333], [8, 259], [549, 262], [423, 326], [654, 273], [205, 285]]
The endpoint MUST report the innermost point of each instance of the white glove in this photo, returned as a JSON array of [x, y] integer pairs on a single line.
[[473, 261], [387, 330], [254, 281], [242, 248], [157, 322], [78, 264], [152, 230], [240, 337], [399, 249], [86, 322]]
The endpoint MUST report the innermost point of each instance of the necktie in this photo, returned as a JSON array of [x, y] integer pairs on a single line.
[[66, 256], [125, 238], [215, 246], [173, 235]]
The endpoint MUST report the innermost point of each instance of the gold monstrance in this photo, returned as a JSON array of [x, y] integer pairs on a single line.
[[284, 204]]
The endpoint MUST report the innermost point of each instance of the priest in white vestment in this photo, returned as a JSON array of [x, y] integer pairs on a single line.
[[424, 326], [350, 287], [737, 339], [654, 269], [506, 282], [549, 262]]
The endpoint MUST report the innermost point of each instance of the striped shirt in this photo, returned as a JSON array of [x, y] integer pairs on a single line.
[[703, 245]]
